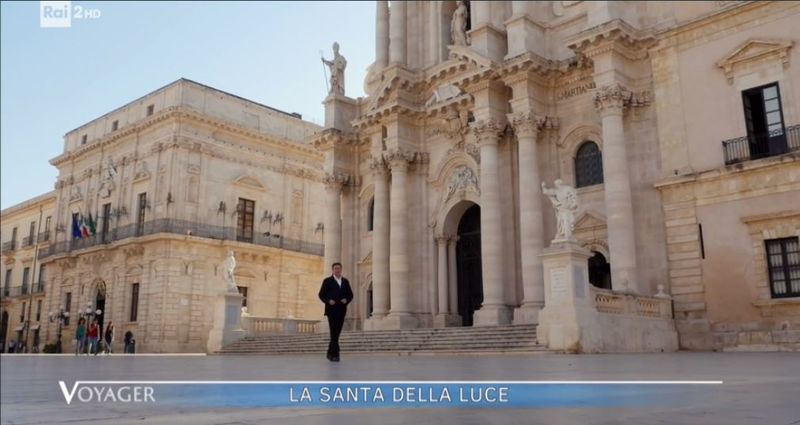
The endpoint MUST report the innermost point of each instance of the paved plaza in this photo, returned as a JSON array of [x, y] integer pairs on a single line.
[[759, 388]]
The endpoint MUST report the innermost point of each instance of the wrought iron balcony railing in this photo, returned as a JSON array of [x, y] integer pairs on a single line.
[[27, 241], [776, 142], [179, 227], [23, 290], [9, 246]]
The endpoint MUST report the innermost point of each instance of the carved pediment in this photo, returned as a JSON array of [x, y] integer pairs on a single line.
[[590, 220], [754, 50], [250, 182]]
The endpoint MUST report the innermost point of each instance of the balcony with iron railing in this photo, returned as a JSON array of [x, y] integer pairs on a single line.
[[757, 146], [180, 227], [44, 236], [23, 290], [28, 241], [9, 246]]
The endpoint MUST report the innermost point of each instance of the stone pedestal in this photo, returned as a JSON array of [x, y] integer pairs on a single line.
[[227, 320], [564, 320], [527, 315], [578, 318], [447, 321], [339, 111]]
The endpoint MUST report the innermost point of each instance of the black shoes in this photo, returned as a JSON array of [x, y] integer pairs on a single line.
[[332, 358]]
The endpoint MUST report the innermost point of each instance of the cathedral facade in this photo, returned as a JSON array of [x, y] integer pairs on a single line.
[[674, 121]]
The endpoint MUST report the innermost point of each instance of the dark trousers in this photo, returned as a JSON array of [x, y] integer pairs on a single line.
[[335, 323]]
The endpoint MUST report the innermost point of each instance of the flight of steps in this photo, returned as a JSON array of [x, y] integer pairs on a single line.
[[477, 340]]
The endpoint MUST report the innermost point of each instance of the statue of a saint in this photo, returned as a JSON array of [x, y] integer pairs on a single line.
[[227, 272], [337, 66], [565, 202], [458, 25], [109, 173]]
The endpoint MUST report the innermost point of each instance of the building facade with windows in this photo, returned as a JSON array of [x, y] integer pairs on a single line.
[[677, 122], [26, 229], [149, 200]]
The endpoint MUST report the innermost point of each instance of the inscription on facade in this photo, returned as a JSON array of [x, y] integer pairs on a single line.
[[575, 90]]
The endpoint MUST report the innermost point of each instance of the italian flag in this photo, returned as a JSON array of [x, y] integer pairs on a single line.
[[87, 226]]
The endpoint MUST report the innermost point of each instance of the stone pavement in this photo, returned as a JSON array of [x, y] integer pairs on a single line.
[[759, 388]]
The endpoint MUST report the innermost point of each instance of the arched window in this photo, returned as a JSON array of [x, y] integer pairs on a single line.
[[588, 165], [370, 214]]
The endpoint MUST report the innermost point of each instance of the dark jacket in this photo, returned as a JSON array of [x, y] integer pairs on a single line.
[[330, 291]]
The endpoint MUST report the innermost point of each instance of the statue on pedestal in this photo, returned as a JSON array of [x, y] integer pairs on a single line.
[[227, 273], [565, 202], [337, 66], [458, 25]]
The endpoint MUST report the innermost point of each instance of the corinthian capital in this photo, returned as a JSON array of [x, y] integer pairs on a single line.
[[399, 158], [487, 131], [611, 99], [378, 165], [527, 124], [335, 180]]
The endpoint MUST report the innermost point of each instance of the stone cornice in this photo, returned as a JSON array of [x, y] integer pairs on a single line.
[[616, 36], [331, 138], [179, 113]]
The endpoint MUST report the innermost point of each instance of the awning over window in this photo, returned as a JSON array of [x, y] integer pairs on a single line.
[[20, 327], [35, 327]]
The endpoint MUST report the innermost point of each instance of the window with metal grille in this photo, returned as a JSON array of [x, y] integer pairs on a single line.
[[588, 165], [370, 214], [783, 263], [244, 226], [134, 302], [140, 214], [67, 306]]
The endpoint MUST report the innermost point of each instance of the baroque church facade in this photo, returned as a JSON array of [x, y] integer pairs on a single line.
[[675, 122]]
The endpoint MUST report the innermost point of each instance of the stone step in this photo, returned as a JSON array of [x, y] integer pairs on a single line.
[[466, 340]]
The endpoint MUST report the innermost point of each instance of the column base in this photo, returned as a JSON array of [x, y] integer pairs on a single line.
[[398, 321], [493, 315], [527, 314], [374, 323], [447, 321]]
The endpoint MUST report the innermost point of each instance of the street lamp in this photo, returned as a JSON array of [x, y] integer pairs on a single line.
[[61, 317]]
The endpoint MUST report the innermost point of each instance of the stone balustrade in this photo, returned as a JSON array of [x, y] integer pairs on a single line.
[[270, 325], [606, 301]]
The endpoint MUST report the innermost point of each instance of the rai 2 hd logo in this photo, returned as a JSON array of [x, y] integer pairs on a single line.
[[60, 14]]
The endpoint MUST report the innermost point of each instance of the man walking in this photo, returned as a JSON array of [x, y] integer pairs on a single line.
[[336, 294]]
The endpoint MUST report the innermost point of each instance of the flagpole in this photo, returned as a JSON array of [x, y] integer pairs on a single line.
[[33, 279]]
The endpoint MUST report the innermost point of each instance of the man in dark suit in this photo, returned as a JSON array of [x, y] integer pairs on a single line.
[[336, 294]]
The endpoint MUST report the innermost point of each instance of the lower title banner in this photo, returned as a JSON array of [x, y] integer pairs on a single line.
[[387, 394]]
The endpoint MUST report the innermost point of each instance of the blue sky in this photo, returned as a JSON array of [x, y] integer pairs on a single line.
[[53, 80]]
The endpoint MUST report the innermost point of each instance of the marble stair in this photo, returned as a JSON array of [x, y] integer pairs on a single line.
[[468, 340]]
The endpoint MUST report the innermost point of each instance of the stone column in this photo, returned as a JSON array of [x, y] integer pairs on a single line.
[[526, 126], [610, 101], [397, 33], [400, 312], [333, 218], [494, 310], [452, 275], [382, 34], [441, 280], [380, 241]]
